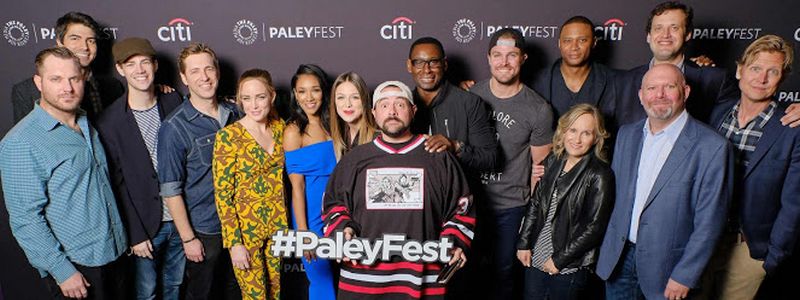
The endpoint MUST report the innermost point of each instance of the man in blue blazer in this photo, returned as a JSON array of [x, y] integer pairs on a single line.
[[673, 185], [765, 213]]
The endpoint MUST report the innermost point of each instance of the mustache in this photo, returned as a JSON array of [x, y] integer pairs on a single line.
[[392, 119]]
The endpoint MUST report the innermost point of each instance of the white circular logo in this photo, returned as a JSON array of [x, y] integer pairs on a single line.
[[797, 35], [464, 30], [16, 33], [245, 32]]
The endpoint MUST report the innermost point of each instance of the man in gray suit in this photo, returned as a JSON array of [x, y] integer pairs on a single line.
[[673, 186]]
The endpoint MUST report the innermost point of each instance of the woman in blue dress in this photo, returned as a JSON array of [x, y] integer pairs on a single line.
[[310, 159]]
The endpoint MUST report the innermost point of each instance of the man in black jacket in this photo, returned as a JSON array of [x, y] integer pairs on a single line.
[[456, 120], [78, 33], [129, 131]]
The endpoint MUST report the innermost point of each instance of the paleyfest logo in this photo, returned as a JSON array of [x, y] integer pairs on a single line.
[[611, 30], [16, 33], [464, 30], [245, 32], [177, 30], [401, 28]]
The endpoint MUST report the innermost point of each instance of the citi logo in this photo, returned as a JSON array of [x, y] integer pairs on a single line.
[[401, 28], [177, 30], [611, 30]]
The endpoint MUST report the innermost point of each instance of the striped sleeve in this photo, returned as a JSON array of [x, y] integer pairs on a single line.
[[459, 224], [337, 201]]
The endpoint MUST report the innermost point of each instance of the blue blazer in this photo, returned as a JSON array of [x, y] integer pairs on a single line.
[[768, 191], [133, 177], [684, 214], [709, 86]]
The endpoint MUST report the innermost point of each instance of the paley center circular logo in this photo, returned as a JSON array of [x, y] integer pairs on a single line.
[[797, 34], [16, 33], [464, 30], [245, 32]]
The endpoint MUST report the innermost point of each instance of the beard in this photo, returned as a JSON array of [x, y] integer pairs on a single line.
[[660, 114], [397, 131]]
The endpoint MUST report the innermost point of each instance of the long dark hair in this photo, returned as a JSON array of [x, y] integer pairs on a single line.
[[298, 116]]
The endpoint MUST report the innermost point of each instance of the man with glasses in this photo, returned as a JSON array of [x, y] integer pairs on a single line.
[[456, 120]]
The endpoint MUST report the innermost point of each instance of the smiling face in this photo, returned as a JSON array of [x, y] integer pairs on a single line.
[[81, 40], [667, 35], [348, 102], [308, 92], [201, 76], [580, 136], [139, 71], [505, 61], [61, 82], [256, 99], [575, 44], [427, 66], [759, 80], [663, 92]]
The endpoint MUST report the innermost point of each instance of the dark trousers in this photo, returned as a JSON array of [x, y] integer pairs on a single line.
[[108, 281], [504, 227], [540, 285], [213, 277]]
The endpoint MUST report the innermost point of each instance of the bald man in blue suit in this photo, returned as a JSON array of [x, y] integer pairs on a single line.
[[673, 186]]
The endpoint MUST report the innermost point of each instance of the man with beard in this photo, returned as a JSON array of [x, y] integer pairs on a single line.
[[440, 206], [672, 194], [524, 123], [78, 33], [60, 204]]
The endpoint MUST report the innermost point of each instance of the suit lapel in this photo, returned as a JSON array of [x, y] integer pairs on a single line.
[[771, 132], [679, 153], [135, 142], [632, 165]]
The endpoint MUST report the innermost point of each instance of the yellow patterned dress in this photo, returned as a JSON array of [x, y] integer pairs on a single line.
[[248, 188]]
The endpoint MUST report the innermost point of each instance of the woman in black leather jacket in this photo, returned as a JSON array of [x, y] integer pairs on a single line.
[[567, 216]]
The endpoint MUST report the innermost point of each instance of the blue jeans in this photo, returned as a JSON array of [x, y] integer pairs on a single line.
[[624, 282], [166, 266], [540, 285], [504, 227]]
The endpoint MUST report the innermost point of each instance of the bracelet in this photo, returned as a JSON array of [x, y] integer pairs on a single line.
[[189, 240]]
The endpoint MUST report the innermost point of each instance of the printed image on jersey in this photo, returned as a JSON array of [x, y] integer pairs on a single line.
[[395, 188]]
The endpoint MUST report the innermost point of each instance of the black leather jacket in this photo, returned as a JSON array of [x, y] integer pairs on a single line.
[[584, 208]]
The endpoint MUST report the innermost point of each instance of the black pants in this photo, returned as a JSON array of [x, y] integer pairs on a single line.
[[107, 281], [213, 277]]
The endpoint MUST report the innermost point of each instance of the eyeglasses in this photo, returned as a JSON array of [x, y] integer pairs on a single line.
[[435, 63]]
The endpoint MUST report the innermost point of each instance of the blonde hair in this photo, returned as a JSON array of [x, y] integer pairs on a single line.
[[366, 124], [195, 48], [769, 43], [566, 120]]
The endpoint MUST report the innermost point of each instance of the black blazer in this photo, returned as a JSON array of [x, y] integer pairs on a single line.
[[584, 208], [768, 193], [24, 94], [133, 177], [709, 86]]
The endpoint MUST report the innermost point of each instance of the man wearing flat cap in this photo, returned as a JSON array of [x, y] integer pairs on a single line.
[[129, 131], [430, 200]]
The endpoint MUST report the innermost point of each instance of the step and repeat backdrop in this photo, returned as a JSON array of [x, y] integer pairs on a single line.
[[368, 37]]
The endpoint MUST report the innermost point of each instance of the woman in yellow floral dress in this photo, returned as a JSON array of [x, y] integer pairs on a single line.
[[248, 186]]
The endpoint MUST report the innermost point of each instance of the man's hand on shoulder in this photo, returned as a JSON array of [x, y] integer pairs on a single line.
[[439, 143]]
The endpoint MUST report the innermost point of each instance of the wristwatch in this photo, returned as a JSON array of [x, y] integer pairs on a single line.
[[459, 147]]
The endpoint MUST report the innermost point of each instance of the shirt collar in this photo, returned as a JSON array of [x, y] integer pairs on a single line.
[[46, 121], [672, 129], [192, 113]]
